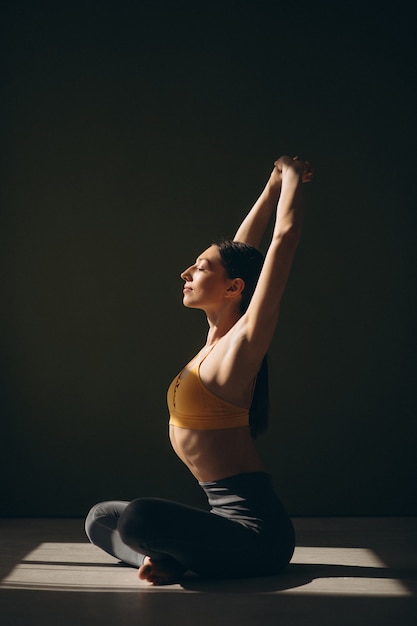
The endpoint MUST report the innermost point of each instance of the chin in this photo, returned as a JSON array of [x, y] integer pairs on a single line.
[[189, 304]]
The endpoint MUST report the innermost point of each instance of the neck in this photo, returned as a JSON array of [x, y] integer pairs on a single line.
[[220, 324]]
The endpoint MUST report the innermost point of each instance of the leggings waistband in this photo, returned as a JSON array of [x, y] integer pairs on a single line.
[[247, 498]]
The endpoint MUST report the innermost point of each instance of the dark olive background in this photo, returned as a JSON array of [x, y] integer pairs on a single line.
[[133, 133]]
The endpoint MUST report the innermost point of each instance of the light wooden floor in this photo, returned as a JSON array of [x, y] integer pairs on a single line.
[[359, 571]]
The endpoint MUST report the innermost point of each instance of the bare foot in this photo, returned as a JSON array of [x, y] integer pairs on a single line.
[[164, 572]]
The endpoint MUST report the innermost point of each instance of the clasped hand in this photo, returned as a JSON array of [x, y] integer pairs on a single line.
[[304, 169]]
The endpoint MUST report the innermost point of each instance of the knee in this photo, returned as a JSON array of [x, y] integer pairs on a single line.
[[91, 520], [103, 515], [139, 521]]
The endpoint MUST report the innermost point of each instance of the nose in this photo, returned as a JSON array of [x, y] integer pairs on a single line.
[[186, 274]]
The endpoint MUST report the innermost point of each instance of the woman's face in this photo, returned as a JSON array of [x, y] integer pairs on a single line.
[[206, 282]]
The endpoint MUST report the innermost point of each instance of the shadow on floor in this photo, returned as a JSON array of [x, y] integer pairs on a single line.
[[299, 574]]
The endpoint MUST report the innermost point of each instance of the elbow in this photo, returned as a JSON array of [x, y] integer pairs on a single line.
[[288, 234]]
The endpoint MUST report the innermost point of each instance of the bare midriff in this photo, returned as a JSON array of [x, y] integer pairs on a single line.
[[216, 454]]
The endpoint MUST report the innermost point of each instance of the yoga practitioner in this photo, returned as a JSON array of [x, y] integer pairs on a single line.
[[218, 405]]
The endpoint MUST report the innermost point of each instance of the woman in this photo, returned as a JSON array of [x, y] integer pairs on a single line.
[[217, 405]]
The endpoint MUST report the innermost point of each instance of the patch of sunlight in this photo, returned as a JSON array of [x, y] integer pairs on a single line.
[[313, 570]]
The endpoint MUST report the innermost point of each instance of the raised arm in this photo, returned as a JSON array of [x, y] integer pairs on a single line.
[[254, 225], [259, 321]]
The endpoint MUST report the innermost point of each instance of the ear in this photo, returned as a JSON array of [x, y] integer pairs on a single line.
[[235, 288]]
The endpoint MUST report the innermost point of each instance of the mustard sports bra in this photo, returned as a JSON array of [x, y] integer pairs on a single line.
[[192, 405]]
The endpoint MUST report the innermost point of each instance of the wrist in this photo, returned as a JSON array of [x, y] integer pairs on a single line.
[[275, 181], [291, 174]]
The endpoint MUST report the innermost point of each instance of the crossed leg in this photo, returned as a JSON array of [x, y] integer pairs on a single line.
[[164, 539]]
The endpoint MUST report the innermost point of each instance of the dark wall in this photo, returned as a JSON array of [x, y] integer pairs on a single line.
[[133, 134]]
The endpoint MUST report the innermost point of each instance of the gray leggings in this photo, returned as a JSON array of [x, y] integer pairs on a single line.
[[247, 532]]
